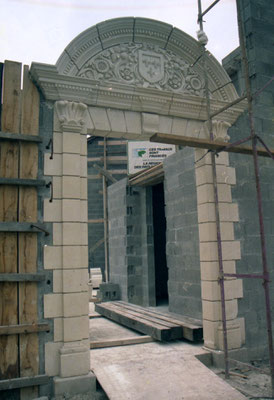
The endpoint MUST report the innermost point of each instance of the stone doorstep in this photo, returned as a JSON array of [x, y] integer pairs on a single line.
[[75, 385]]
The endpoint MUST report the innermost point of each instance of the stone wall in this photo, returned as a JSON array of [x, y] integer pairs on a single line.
[[182, 235], [258, 23]]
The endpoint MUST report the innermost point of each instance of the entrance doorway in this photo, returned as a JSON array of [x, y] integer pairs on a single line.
[[159, 227]]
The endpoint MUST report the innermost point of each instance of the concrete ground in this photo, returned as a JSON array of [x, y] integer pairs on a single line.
[[156, 370]]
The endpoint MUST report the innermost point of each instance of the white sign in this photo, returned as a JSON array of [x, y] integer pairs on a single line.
[[142, 155]]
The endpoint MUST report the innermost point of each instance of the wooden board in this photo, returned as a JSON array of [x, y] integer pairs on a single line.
[[98, 344], [181, 327], [9, 163], [159, 331], [28, 296]]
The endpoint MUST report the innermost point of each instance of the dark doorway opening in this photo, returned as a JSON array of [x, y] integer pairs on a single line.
[[159, 225]]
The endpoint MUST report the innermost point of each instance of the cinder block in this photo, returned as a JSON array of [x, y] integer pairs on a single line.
[[84, 188], [71, 164], [53, 167], [52, 257], [71, 211], [76, 328], [73, 233], [57, 142], [83, 167], [212, 310], [75, 304], [210, 270], [52, 211], [84, 145], [74, 362], [208, 231], [75, 385], [57, 281], [52, 358], [71, 187], [75, 280], [57, 187], [53, 306], [71, 142], [75, 257], [109, 291], [58, 329], [57, 234]]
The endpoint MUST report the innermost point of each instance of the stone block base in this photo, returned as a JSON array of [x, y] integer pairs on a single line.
[[75, 385], [218, 357]]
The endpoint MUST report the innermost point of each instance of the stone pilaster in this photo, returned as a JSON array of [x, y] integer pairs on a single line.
[[211, 298], [68, 256]]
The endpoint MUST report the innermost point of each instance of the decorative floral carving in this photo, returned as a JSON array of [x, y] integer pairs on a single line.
[[219, 130], [144, 65], [70, 113]]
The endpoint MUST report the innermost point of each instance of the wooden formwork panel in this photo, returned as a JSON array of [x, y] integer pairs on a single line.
[[19, 354]]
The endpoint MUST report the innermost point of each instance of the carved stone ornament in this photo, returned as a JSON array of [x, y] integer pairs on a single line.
[[219, 130], [144, 65], [71, 114]]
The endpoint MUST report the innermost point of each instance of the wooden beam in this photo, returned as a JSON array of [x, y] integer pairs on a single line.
[[96, 221], [22, 227], [28, 381], [22, 277], [20, 137], [97, 344], [24, 328], [22, 182], [207, 144], [104, 172]]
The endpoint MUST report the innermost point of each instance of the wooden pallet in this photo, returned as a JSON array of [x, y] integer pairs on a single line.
[[163, 327]]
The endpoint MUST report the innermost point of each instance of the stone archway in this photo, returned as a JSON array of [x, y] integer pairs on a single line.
[[129, 77]]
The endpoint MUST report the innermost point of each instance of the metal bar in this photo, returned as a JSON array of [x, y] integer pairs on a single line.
[[212, 115], [216, 201], [259, 195], [16, 383], [245, 276], [21, 227], [24, 328], [266, 147], [216, 146], [107, 174], [20, 137], [263, 88], [105, 205], [22, 277], [22, 182], [208, 9]]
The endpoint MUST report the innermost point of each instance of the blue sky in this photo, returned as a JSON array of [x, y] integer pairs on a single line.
[[39, 30]]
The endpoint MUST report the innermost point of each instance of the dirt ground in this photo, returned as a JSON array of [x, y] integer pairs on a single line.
[[250, 382]]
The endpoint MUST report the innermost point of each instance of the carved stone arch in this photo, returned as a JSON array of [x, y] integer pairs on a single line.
[[138, 37]]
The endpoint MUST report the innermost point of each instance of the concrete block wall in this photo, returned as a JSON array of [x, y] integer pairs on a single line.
[[182, 234], [115, 149], [258, 24]]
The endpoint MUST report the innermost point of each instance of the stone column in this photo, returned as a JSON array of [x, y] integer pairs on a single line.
[[211, 298], [67, 357]]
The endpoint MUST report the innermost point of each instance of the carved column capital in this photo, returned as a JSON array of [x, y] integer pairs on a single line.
[[71, 115], [219, 130]]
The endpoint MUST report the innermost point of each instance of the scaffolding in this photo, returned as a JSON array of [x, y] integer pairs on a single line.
[[254, 138]]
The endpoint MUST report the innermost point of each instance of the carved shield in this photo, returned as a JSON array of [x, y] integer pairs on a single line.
[[151, 66]]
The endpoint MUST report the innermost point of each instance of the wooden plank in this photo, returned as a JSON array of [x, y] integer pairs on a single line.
[[104, 172], [96, 221], [9, 161], [155, 330], [22, 182], [113, 142], [28, 295], [24, 328], [207, 144], [192, 328], [22, 277], [97, 344], [20, 137], [9, 384]]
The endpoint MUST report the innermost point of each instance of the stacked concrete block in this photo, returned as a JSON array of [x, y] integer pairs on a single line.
[[68, 355], [182, 236], [209, 260], [258, 26]]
